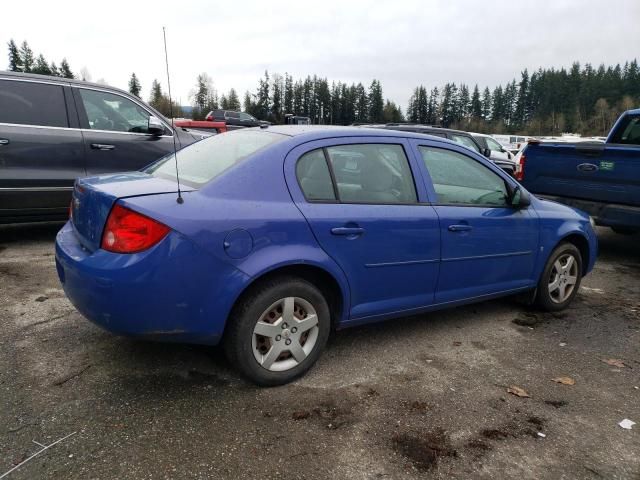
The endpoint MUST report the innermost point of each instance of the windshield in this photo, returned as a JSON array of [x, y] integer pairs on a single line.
[[203, 161]]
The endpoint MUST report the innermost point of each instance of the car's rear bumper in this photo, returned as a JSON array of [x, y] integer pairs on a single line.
[[173, 291], [604, 214]]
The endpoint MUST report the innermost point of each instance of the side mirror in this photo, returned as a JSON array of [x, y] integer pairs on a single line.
[[520, 198], [487, 152], [155, 126]]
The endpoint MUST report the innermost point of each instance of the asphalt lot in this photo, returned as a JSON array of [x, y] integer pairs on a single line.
[[421, 397]]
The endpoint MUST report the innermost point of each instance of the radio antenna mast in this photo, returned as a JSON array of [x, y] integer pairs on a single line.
[[175, 149]]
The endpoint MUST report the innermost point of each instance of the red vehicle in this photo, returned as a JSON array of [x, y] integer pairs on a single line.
[[207, 126]]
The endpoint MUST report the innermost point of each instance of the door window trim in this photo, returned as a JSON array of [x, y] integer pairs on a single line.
[[335, 183]]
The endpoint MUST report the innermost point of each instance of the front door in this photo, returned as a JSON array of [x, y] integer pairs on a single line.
[[488, 246], [115, 130], [361, 202]]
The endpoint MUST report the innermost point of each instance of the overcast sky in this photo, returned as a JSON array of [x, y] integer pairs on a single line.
[[401, 43]]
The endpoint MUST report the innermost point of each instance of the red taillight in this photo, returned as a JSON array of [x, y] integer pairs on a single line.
[[519, 175], [127, 231]]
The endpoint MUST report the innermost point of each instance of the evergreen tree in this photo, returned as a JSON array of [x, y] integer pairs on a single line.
[[263, 100], [278, 99], [156, 94], [476, 104], [41, 66], [233, 102], [65, 70], [288, 94], [134, 85], [487, 101], [376, 102], [224, 104], [15, 61], [54, 69], [26, 54], [391, 113], [361, 104]]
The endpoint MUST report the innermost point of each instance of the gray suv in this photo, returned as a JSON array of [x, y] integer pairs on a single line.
[[53, 130]]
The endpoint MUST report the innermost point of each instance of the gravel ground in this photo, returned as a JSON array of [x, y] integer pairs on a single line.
[[420, 397]]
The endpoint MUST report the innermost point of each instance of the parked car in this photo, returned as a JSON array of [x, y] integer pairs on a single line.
[[53, 130], [458, 136], [233, 118], [291, 119], [201, 126], [285, 232], [602, 179], [513, 143], [498, 152]]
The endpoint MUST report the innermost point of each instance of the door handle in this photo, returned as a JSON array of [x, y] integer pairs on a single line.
[[102, 146], [347, 231], [587, 167], [460, 228], [4, 141]]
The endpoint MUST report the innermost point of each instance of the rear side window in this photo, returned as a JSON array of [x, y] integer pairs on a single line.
[[203, 161], [372, 173], [460, 180], [31, 103], [314, 177]]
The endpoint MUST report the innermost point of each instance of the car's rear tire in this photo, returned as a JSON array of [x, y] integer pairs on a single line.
[[277, 331], [560, 279]]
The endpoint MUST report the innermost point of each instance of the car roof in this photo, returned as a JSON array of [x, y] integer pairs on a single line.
[[308, 133], [413, 126], [60, 80]]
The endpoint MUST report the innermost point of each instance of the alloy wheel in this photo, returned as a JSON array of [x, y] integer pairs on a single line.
[[285, 334]]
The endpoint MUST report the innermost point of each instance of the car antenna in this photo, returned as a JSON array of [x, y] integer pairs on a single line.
[[175, 149]]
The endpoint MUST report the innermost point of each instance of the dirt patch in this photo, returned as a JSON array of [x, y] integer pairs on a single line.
[[527, 319], [556, 403], [423, 450]]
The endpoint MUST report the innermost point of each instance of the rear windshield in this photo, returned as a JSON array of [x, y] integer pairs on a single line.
[[205, 160]]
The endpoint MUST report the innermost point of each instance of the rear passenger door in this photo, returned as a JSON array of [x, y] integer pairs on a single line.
[[488, 246], [115, 130], [41, 150], [360, 199]]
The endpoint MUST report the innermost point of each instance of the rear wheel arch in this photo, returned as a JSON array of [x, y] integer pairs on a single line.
[[317, 276]]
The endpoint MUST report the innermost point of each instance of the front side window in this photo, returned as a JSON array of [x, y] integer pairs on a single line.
[[31, 103], [460, 180], [314, 177], [201, 162], [372, 173], [107, 111], [466, 141]]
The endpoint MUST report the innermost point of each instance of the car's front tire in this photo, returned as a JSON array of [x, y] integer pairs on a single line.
[[278, 330], [560, 279]]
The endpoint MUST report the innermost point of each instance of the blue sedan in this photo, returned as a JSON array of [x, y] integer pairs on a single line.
[[273, 236]]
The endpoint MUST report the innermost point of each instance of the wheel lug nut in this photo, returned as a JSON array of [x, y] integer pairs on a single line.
[[294, 330], [287, 341], [284, 326], [278, 338]]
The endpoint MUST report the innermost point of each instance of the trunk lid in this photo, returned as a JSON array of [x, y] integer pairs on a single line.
[[93, 198]]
